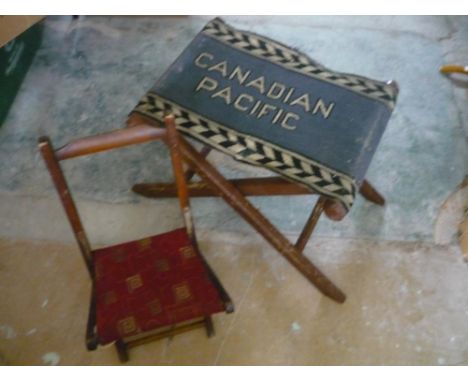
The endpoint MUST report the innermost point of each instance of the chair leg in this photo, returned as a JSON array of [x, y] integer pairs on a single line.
[[210, 331], [371, 194], [122, 351]]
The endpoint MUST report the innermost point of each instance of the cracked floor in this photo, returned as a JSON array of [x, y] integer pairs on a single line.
[[400, 265]]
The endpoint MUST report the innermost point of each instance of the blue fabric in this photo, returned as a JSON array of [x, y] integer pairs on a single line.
[[269, 105], [346, 141]]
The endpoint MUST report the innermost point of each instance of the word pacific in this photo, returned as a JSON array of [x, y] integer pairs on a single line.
[[248, 104]]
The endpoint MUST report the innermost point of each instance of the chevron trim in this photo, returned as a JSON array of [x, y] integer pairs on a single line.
[[252, 150], [279, 54]]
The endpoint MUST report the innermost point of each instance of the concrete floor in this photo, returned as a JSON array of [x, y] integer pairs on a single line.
[[400, 265]]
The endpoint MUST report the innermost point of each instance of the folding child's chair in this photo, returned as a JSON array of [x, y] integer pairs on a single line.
[[150, 288], [268, 105]]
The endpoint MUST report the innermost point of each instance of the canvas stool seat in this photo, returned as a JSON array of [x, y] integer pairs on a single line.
[[150, 283]]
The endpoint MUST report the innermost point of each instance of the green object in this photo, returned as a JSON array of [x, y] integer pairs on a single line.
[[15, 60]]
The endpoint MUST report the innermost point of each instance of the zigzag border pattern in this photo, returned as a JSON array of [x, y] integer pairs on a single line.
[[253, 150], [277, 53]]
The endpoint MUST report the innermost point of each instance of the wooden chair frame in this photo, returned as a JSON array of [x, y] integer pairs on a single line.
[[234, 192], [108, 141]]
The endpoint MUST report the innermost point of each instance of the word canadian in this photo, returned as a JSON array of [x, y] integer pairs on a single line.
[[249, 104]]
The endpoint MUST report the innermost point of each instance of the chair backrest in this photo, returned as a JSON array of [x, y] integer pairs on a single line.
[[104, 142]]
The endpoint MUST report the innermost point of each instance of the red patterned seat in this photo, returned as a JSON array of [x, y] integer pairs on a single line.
[[146, 289], [151, 283]]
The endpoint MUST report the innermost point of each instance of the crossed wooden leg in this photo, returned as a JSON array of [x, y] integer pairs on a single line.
[[234, 192], [225, 189]]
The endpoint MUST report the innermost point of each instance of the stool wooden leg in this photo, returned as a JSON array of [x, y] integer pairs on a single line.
[[189, 173], [210, 331], [310, 225], [122, 351], [241, 205], [371, 194], [248, 187]]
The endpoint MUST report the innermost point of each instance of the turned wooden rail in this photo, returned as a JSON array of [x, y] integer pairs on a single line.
[[109, 141], [267, 186], [248, 186]]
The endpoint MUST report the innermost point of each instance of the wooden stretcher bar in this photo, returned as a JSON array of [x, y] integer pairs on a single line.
[[267, 186]]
